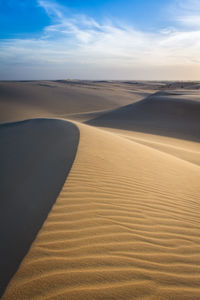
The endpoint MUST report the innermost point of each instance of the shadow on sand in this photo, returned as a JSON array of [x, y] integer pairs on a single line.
[[35, 158], [161, 113]]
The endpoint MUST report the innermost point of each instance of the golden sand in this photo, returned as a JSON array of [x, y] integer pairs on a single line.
[[125, 226]]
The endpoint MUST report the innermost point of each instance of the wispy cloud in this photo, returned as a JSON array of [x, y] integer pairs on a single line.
[[187, 13], [80, 45], [52, 8]]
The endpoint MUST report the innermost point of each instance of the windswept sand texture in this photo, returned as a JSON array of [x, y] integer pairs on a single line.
[[35, 158], [125, 226], [126, 222], [183, 149]]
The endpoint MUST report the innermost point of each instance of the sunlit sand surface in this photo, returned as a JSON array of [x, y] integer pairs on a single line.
[[126, 222]]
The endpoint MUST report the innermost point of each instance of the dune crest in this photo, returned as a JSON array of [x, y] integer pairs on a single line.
[[35, 158], [36, 99], [125, 226], [183, 149], [174, 114]]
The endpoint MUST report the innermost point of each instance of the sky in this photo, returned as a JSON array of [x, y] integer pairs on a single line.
[[100, 40]]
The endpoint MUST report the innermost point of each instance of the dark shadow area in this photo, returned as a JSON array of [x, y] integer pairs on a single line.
[[35, 158], [162, 113]]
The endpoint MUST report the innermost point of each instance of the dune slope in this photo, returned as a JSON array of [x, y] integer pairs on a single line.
[[35, 158], [183, 149], [125, 226], [36, 99], [163, 113]]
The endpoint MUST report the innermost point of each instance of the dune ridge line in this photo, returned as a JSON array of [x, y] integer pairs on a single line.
[[36, 156], [125, 226]]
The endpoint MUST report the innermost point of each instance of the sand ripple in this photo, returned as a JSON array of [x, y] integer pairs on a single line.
[[125, 226]]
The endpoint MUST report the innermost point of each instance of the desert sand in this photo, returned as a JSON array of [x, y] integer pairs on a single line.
[[35, 160], [35, 99], [126, 222]]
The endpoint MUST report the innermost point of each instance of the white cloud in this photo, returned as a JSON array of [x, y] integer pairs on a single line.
[[51, 8], [187, 13], [81, 45]]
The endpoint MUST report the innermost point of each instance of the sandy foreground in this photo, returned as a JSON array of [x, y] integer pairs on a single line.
[[35, 160], [126, 222]]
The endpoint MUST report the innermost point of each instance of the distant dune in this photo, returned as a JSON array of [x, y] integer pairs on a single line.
[[163, 113], [35, 99], [125, 224]]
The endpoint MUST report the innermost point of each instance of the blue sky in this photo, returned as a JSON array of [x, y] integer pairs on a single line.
[[20, 18], [154, 39]]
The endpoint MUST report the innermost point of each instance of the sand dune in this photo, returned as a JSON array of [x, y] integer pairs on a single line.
[[163, 113], [125, 226], [189, 85], [35, 158], [183, 149], [36, 99], [126, 222]]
